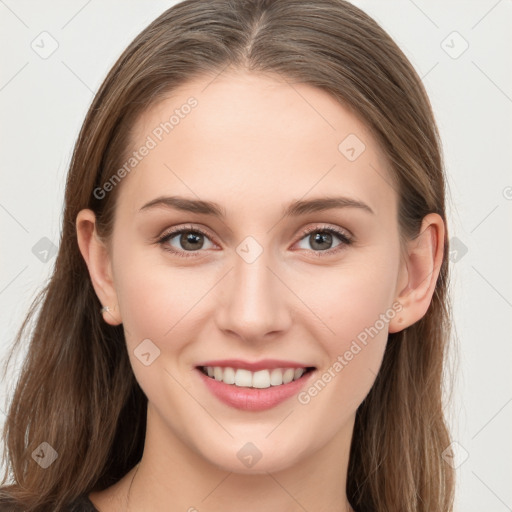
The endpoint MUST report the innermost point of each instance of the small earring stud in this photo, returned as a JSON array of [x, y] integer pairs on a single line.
[[105, 309]]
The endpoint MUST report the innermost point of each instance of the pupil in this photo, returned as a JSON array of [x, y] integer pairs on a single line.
[[192, 239], [319, 238]]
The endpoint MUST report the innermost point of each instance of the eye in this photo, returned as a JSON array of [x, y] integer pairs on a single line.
[[320, 237], [190, 239]]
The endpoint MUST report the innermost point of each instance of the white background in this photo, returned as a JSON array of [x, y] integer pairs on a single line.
[[43, 103]]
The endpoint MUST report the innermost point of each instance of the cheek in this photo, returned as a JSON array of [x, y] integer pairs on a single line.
[[354, 297], [156, 305], [154, 298], [357, 309], [359, 316]]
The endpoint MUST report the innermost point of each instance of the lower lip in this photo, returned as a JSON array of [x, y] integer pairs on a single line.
[[253, 399]]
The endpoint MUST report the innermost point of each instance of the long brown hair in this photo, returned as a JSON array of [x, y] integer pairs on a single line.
[[77, 391]]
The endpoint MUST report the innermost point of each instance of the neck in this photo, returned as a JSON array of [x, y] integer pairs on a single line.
[[171, 476]]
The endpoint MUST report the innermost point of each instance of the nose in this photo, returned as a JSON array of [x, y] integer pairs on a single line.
[[254, 300]]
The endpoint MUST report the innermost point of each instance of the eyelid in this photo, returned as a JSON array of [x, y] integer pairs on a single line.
[[329, 228], [179, 229], [172, 232]]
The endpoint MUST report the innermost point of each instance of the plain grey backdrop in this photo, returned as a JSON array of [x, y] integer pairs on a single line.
[[54, 56]]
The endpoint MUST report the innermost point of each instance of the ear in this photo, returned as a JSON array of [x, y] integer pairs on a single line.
[[419, 272], [97, 258]]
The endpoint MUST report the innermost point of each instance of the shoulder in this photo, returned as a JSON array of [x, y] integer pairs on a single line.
[[7, 504], [80, 504], [10, 506]]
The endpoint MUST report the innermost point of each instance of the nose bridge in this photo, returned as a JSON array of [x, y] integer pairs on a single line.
[[255, 303]]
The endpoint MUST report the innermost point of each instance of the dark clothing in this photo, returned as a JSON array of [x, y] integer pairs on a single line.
[[81, 504]]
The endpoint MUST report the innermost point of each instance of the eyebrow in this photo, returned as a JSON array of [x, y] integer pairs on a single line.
[[294, 209]]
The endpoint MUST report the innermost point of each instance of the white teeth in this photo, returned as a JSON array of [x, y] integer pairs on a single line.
[[229, 376], [276, 377], [288, 375], [260, 379], [242, 377]]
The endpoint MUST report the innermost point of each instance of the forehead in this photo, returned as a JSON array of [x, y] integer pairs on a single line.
[[256, 139]]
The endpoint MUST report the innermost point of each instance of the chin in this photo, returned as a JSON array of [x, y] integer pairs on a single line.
[[259, 456]]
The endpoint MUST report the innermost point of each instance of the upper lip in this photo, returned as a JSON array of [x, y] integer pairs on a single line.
[[254, 366]]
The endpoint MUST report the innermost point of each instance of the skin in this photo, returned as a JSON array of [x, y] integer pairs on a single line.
[[253, 144]]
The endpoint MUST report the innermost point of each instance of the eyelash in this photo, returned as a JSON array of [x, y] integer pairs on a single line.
[[345, 239]]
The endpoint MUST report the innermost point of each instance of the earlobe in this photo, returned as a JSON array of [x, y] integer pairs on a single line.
[[421, 269], [99, 264]]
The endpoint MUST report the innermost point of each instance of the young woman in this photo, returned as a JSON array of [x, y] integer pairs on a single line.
[[249, 305]]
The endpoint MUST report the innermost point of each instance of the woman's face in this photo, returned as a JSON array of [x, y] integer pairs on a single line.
[[251, 285]]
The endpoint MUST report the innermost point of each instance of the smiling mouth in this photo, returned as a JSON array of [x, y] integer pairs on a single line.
[[260, 379]]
